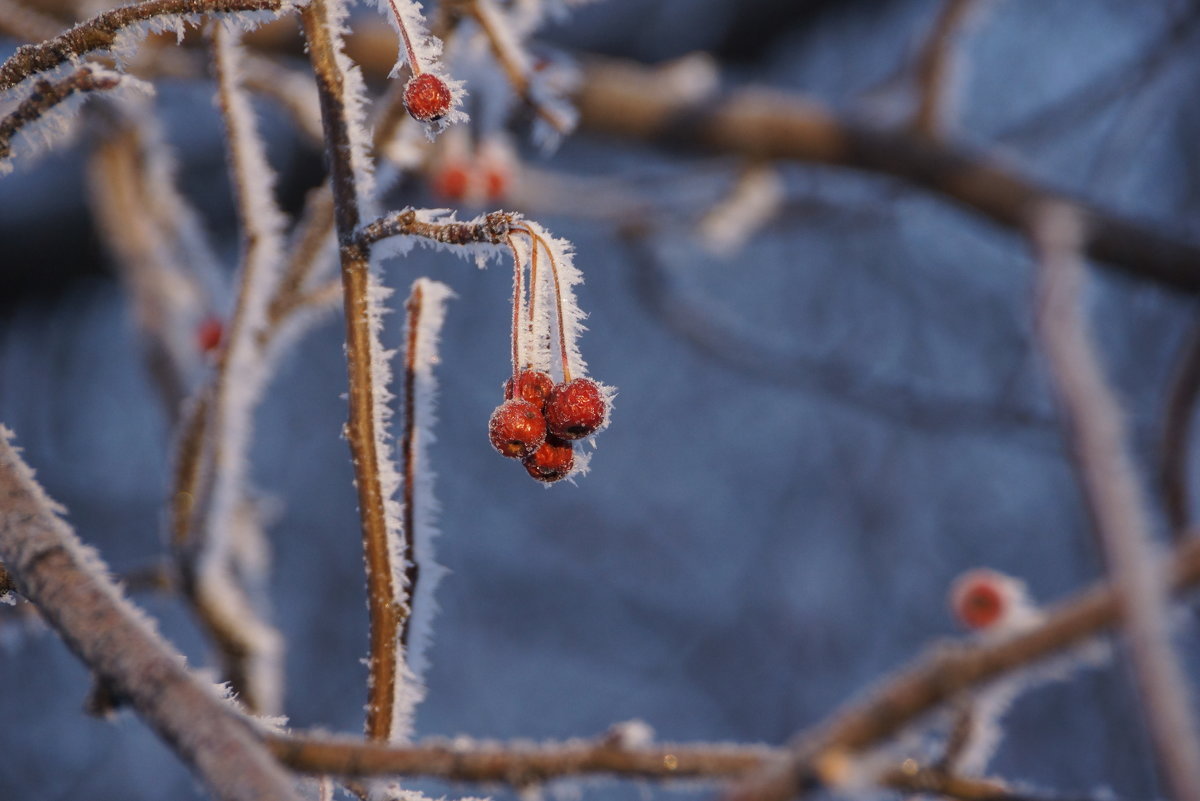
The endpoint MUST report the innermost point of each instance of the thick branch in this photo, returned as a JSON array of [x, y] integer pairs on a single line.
[[101, 32], [634, 102], [68, 584]]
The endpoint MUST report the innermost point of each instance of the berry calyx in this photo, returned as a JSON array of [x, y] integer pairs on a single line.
[[209, 334], [575, 409], [532, 385], [517, 428], [427, 97], [552, 461], [980, 598]]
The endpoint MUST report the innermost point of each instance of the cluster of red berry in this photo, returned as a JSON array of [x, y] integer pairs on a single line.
[[539, 420]]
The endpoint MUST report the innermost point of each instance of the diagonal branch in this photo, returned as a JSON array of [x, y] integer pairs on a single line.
[[70, 586], [48, 94], [1177, 435]]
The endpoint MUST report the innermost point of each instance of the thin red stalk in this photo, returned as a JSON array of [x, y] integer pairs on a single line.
[[408, 48], [534, 239]]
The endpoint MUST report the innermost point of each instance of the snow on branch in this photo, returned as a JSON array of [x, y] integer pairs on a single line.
[[71, 587], [41, 117], [118, 29]]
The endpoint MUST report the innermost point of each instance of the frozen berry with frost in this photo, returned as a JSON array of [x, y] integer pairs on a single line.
[[517, 428], [427, 97], [534, 386], [575, 409], [982, 598], [209, 334], [552, 461]]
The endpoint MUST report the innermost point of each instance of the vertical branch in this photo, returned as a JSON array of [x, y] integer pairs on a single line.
[[1097, 434], [426, 313], [1177, 434], [222, 525], [375, 478], [70, 586]]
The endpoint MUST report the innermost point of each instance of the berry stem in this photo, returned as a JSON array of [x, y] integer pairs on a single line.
[[518, 298], [534, 239], [533, 290], [408, 48]]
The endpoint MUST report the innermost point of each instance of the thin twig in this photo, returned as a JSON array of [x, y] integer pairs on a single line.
[[48, 94], [101, 32], [1097, 436], [69, 585], [492, 229], [1177, 434], [942, 674], [934, 66]]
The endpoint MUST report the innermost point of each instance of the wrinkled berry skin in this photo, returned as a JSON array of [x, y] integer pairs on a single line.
[[575, 409], [552, 461], [534, 385], [427, 97], [517, 428]]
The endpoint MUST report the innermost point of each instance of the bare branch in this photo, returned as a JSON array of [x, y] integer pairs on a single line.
[[934, 66], [1097, 436], [69, 585], [1177, 435], [619, 99]]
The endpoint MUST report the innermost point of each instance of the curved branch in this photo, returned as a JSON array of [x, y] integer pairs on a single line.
[[101, 32]]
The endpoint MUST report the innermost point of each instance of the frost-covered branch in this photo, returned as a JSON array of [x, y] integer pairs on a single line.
[[105, 31], [1096, 432], [629, 101], [942, 674], [340, 88], [491, 229], [69, 584], [1176, 439], [222, 523], [46, 95]]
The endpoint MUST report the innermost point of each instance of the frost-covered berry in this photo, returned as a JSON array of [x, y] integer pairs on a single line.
[[209, 334], [552, 461], [981, 598], [517, 428], [534, 386], [575, 409], [427, 97]]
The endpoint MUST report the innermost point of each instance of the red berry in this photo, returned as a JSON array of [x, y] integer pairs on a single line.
[[495, 184], [552, 461], [427, 97], [535, 387], [209, 334], [575, 409], [979, 598], [517, 428], [451, 182]]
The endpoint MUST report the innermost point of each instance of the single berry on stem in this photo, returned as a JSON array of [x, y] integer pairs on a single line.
[[552, 461], [533, 385], [209, 334], [980, 598], [575, 409], [517, 428], [427, 97]]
